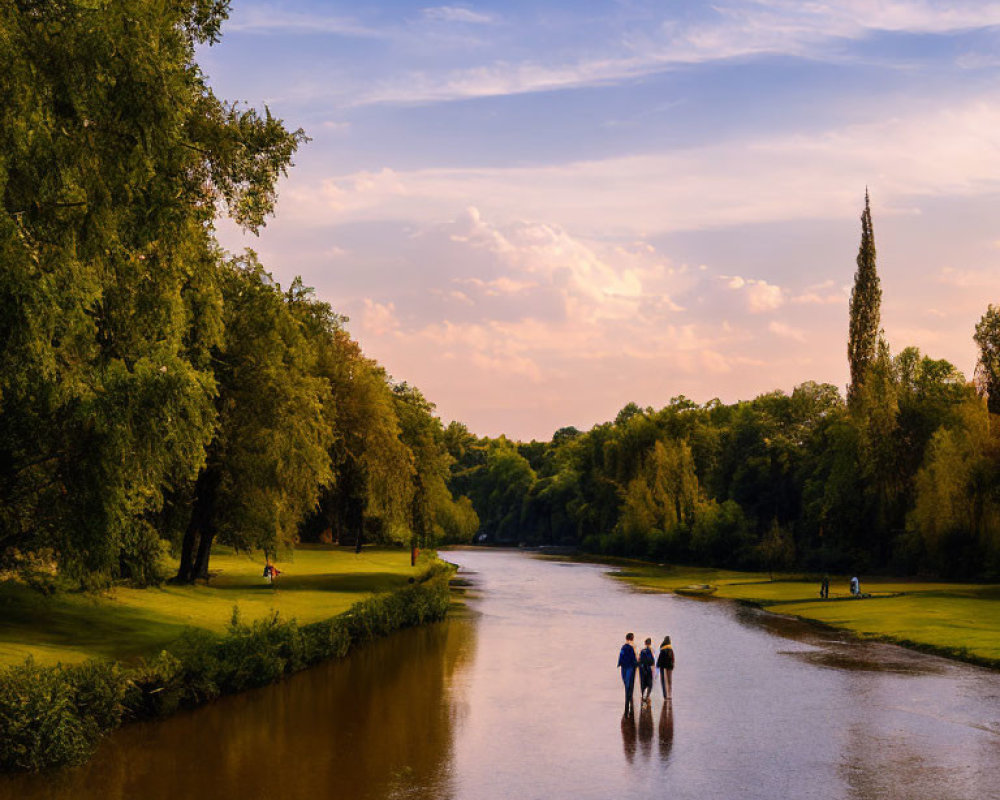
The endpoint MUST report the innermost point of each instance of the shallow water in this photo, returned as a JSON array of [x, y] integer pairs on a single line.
[[521, 699]]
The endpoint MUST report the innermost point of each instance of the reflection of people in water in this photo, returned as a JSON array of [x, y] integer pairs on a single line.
[[665, 665], [646, 728], [666, 730], [628, 736], [627, 662], [646, 663]]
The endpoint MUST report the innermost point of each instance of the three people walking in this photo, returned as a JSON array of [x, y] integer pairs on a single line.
[[629, 662]]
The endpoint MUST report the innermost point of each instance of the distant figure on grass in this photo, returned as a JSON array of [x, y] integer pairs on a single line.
[[627, 661], [824, 587], [646, 663], [270, 572], [665, 665], [855, 587]]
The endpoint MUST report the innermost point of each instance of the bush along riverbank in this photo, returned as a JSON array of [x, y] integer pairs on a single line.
[[52, 716]]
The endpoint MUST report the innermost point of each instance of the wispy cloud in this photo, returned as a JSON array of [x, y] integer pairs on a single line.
[[813, 30], [263, 20], [458, 14], [952, 152]]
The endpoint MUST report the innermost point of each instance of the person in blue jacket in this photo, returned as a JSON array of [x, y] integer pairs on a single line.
[[627, 661], [646, 663]]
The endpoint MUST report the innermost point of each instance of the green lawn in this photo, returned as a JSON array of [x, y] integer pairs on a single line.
[[958, 619], [316, 582]]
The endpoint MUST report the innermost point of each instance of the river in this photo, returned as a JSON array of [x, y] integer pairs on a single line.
[[519, 698]]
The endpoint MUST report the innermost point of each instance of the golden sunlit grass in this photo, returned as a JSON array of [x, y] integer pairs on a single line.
[[959, 619], [317, 582]]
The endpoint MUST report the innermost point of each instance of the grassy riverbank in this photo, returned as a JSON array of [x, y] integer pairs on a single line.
[[960, 620], [316, 583]]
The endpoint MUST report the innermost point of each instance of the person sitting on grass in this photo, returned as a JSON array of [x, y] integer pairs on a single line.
[[270, 572]]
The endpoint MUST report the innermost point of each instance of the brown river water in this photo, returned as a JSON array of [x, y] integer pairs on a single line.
[[519, 698]]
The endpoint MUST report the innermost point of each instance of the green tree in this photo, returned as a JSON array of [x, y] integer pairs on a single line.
[[114, 157], [987, 336], [956, 516], [371, 493], [866, 299], [777, 549], [659, 504], [269, 455], [434, 512], [500, 491]]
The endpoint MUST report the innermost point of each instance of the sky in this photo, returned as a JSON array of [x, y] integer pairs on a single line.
[[537, 212]]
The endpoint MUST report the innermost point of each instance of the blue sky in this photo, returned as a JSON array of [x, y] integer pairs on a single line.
[[538, 212]]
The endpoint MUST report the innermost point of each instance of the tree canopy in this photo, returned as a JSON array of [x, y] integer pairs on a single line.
[[154, 389]]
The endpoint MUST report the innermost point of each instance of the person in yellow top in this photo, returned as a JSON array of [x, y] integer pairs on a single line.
[[665, 666]]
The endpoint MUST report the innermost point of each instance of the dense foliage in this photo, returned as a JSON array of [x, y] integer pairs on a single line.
[[780, 481], [154, 389]]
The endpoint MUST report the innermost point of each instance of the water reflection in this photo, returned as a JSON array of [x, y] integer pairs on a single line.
[[666, 731], [646, 729], [372, 726], [629, 736]]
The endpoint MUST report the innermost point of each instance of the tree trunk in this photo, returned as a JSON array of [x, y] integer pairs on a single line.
[[185, 572], [198, 536], [204, 552]]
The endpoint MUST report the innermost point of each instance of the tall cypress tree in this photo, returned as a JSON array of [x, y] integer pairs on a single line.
[[866, 298]]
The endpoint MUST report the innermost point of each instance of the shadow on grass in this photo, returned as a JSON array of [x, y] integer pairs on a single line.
[[81, 623], [346, 583]]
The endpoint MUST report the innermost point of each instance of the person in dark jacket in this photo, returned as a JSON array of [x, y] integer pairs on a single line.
[[646, 663], [627, 662], [665, 665]]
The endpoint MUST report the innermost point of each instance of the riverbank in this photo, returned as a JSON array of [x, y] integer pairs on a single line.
[[316, 582], [956, 620], [51, 715]]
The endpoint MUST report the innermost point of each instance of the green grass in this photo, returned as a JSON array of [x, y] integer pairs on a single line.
[[956, 619], [316, 582]]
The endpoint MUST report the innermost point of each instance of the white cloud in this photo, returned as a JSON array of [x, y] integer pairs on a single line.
[[762, 296], [949, 153], [336, 126], [970, 278], [458, 14], [378, 319], [813, 30], [786, 331], [264, 20]]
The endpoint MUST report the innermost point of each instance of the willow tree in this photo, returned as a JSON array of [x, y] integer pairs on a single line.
[[269, 453], [115, 156], [866, 299]]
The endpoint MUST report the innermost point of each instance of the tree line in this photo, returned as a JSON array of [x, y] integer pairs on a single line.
[[902, 475], [157, 392]]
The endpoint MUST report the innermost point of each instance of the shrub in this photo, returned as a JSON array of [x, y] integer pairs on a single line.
[[98, 693], [39, 723], [156, 688]]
